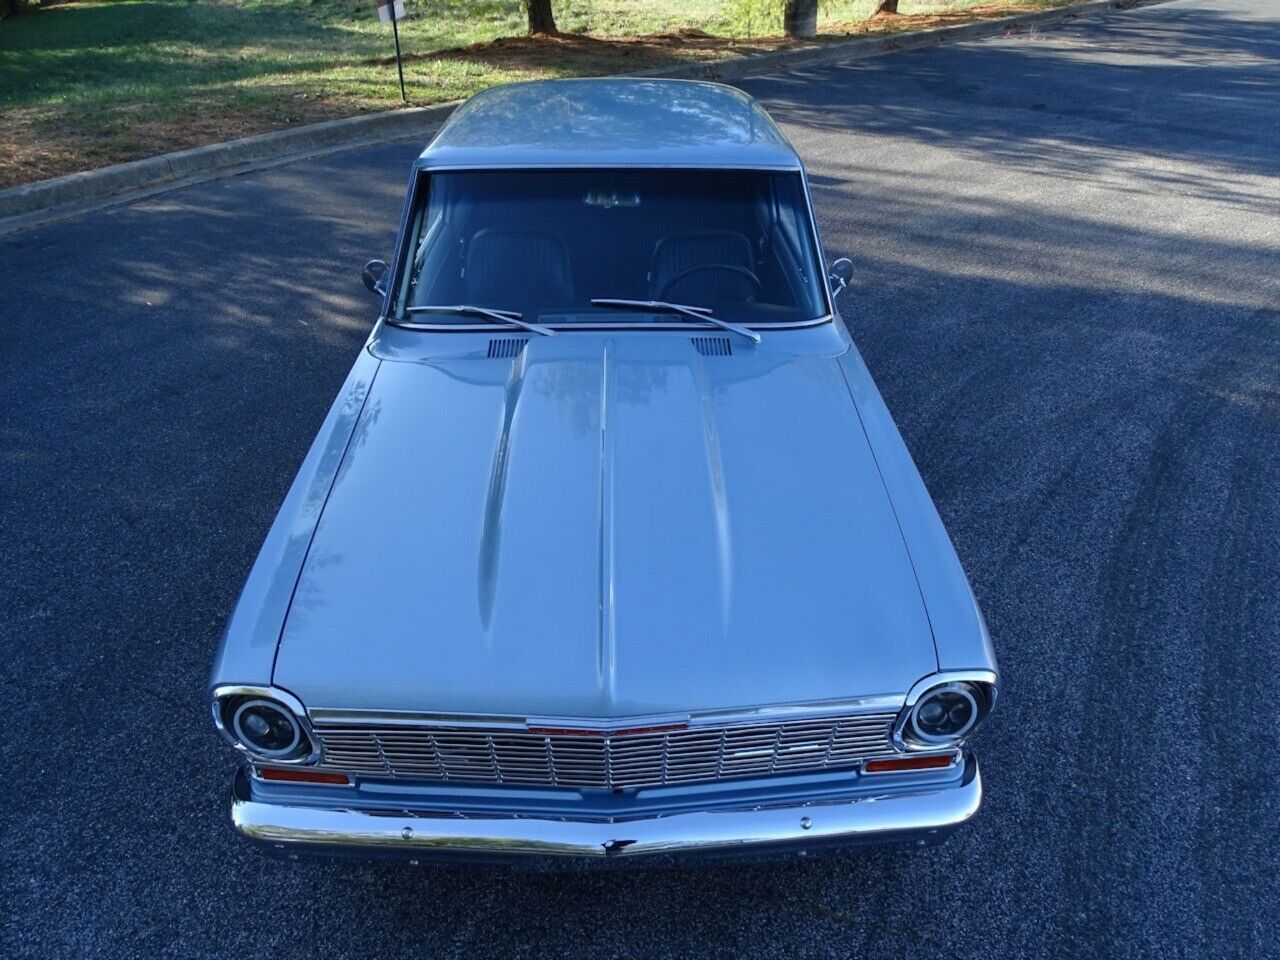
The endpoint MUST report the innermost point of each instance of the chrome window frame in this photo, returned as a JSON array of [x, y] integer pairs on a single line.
[[421, 174]]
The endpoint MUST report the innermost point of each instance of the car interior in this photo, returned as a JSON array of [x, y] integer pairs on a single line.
[[550, 242]]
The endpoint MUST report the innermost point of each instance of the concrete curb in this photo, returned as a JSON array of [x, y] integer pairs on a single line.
[[87, 190], [46, 200]]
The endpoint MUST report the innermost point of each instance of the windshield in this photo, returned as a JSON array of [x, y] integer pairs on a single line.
[[546, 243]]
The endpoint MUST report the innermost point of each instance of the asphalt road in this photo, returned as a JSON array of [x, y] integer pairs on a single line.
[[1068, 251]]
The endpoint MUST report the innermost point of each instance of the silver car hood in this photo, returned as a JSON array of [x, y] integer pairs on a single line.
[[605, 526]]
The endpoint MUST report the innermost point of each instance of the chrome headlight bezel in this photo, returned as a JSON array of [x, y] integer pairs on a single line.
[[280, 721], [981, 686], [228, 700], [967, 698]]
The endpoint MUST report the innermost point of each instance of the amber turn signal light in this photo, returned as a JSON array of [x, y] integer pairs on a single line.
[[905, 764], [305, 776]]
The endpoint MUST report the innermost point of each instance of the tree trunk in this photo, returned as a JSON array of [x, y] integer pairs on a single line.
[[800, 18], [887, 6], [541, 18]]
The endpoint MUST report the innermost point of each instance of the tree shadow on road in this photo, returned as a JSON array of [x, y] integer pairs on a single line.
[[1198, 93]]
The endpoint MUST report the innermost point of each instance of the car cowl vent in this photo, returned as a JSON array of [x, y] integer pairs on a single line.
[[713, 346], [505, 348]]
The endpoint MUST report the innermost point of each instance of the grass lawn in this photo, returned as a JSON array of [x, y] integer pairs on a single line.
[[83, 84]]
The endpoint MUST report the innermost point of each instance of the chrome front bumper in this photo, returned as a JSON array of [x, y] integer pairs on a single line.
[[904, 815]]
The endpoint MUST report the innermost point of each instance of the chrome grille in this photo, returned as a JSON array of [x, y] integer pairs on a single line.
[[608, 761]]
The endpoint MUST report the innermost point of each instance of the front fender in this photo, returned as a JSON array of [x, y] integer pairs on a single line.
[[959, 632], [248, 648]]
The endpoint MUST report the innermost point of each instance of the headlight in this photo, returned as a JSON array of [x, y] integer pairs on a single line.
[[944, 709], [944, 714], [264, 722], [266, 728]]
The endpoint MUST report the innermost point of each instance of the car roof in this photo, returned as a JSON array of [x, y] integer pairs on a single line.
[[611, 123]]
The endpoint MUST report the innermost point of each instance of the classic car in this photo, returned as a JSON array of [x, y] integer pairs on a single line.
[[608, 547]]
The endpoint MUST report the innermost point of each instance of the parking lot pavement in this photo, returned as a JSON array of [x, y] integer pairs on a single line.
[[1067, 251]]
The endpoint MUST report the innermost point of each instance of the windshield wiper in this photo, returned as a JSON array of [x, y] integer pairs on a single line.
[[697, 313], [498, 316]]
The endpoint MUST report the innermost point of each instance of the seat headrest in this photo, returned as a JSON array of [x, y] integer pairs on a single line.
[[516, 268]]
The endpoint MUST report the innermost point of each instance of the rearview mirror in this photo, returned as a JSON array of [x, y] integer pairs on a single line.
[[840, 275], [375, 276]]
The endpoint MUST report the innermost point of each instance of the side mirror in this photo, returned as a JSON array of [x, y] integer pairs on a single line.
[[840, 275], [375, 277]]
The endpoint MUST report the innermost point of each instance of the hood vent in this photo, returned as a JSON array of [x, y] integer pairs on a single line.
[[506, 347], [713, 346]]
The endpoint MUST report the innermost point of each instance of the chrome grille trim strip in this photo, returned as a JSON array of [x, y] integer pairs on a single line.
[[605, 760], [817, 710]]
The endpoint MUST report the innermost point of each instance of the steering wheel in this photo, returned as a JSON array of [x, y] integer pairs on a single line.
[[741, 272]]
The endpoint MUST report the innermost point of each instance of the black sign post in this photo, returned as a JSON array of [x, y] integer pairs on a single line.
[[393, 10]]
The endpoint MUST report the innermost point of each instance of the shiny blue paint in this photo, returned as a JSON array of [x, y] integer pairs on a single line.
[[248, 649], [611, 524], [959, 632], [611, 123]]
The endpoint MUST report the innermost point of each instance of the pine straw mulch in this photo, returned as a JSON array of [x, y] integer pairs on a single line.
[[35, 146], [584, 54], [576, 53]]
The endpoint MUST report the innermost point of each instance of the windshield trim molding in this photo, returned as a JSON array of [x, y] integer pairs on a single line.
[[553, 164], [420, 175], [420, 326]]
